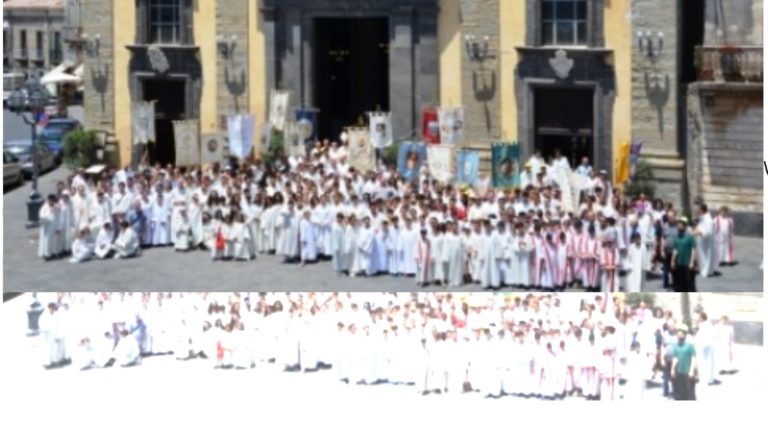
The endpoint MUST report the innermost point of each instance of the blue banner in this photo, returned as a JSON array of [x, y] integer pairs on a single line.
[[505, 159], [410, 159], [467, 166], [306, 118]]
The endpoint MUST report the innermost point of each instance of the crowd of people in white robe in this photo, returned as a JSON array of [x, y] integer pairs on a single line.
[[319, 208], [534, 345]]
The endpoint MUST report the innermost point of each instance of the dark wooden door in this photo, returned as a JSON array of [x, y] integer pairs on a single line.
[[351, 70], [564, 119], [170, 106]]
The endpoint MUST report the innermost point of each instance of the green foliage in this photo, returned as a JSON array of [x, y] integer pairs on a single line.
[[80, 149], [390, 154], [643, 181], [634, 299]]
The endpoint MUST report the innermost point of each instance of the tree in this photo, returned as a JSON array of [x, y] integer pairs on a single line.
[[80, 149], [642, 182]]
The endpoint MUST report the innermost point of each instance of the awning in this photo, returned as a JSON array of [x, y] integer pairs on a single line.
[[58, 75]]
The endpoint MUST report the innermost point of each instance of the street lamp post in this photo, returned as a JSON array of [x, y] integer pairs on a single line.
[[38, 98]]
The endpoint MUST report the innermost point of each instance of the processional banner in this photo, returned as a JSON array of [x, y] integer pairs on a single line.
[[186, 134], [293, 140], [451, 124], [505, 160], [240, 129], [467, 166], [430, 126], [143, 122], [410, 159], [213, 148], [380, 125], [439, 162], [361, 154], [278, 108]]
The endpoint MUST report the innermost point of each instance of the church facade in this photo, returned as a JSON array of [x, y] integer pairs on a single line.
[[568, 74]]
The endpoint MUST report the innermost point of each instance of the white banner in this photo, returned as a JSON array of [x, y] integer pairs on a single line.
[[278, 108], [361, 154], [380, 129], [213, 148], [186, 134], [293, 140], [451, 124], [439, 158], [240, 130], [143, 122], [265, 139]]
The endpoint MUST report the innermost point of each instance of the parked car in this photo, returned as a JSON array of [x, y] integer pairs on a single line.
[[22, 149], [12, 173], [54, 132]]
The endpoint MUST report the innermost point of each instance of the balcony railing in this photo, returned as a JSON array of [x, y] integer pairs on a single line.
[[55, 56], [21, 53], [730, 64], [37, 54]]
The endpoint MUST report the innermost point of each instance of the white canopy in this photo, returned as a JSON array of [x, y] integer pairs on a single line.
[[58, 75]]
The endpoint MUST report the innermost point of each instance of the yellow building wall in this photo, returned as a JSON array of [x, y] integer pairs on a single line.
[[511, 34], [449, 39], [618, 37], [204, 18], [124, 29], [257, 91]]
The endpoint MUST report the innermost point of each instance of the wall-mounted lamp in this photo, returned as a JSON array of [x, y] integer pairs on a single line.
[[477, 49], [91, 44], [226, 45], [650, 44]]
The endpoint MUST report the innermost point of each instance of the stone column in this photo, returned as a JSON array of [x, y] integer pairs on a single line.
[[291, 55], [401, 71], [427, 60], [269, 48]]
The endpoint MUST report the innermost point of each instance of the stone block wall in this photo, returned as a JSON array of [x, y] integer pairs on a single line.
[[98, 97], [232, 72], [480, 80], [725, 150], [655, 83]]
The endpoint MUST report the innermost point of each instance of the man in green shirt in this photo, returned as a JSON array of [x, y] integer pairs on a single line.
[[684, 368], [684, 258]]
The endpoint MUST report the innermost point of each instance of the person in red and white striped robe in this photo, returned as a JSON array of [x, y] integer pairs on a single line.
[[574, 247], [589, 254], [609, 266]]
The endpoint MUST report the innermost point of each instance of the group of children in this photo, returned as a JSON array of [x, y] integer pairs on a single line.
[[319, 208], [541, 346]]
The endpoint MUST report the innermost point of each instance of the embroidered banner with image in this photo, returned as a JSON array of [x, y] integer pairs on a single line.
[[467, 166], [265, 139], [143, 122], [240, 130], [410, 159], [380, 125], [278, 108], [213, 148], [505, 160], [293, 140], [307, 121], [439, 162], [186, 134], [362, 156], [430, 126], [451, 124]]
